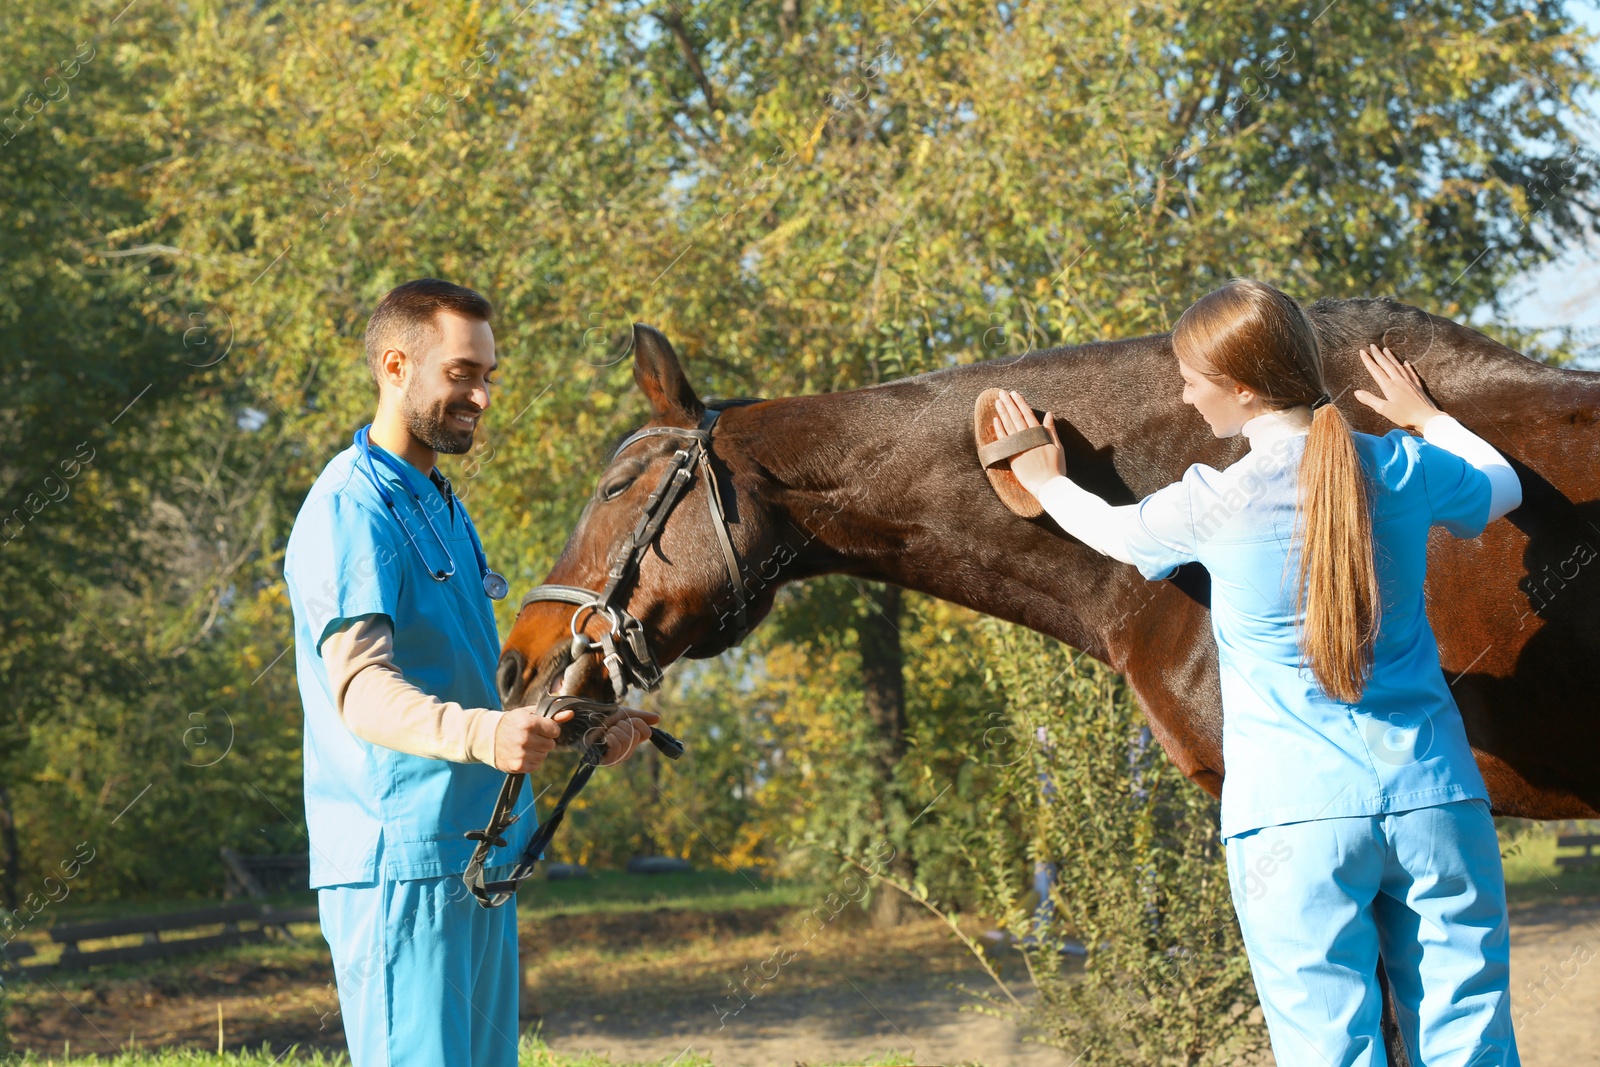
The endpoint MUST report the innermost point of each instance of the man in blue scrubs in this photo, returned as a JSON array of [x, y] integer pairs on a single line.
[[406, 746]]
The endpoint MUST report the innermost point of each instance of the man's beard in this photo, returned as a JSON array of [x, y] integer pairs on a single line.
[[433, 426]]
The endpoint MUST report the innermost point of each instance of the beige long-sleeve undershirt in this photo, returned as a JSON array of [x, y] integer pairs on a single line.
[[378, 705]]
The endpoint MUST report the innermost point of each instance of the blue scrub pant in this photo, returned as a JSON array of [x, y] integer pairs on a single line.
[[425, 975], [1316, 900]]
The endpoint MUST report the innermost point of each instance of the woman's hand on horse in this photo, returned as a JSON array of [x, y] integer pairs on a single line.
[[626, 729], [523, 738], [1404, 402], [1037, 465]]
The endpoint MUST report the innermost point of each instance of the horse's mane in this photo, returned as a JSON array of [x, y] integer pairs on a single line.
[[1350, 323], [1343, 326], [717, 403]]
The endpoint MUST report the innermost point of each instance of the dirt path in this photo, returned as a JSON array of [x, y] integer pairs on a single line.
[[1555, 984], [651, 986], [835, 993], [923, 1019], [1555, 997]]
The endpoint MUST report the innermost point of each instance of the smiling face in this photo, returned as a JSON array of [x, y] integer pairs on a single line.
[[447, 383], [1222, 402]]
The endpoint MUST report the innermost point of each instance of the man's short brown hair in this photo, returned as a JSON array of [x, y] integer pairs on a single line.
[[406, 316]]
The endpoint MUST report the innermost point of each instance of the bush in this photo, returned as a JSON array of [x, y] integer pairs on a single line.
[[1141, 879]]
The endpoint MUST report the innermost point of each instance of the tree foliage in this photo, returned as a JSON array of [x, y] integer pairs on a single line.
[[204, 200], [805, 196]]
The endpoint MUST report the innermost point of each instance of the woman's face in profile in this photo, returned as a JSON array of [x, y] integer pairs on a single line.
[[1226, 405]]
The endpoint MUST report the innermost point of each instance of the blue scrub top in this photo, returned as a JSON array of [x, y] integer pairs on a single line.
[[371, 808], [1290, 752]]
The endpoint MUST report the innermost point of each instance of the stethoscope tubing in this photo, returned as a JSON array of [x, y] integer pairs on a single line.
[[494, 585]]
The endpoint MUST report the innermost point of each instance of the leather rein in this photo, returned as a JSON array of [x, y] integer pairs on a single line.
[[623, 647]]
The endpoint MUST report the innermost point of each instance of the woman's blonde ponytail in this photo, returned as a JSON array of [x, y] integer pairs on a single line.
[[1256, 335], [1338, 581]]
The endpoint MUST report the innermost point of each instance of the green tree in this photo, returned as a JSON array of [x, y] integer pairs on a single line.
[[804, 197], [90, 375]]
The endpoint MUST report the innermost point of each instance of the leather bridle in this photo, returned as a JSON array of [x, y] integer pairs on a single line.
[[625, 651], [624, 648]]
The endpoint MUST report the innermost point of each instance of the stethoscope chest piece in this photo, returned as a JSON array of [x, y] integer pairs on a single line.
[[495, 585]]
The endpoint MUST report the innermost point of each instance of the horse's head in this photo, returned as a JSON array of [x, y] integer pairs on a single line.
[[675, 595]]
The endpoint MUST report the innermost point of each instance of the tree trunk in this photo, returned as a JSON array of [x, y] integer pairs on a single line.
[[13, 852], [884, 693]]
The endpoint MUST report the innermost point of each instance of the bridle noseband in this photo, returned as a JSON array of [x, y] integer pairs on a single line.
[[624, 649]]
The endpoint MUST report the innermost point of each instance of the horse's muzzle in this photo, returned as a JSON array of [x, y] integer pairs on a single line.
[[509, 679]]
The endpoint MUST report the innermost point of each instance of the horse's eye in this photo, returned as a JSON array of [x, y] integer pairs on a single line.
[[612, 490]]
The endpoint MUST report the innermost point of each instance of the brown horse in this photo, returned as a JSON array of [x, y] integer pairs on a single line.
[[884, 483]]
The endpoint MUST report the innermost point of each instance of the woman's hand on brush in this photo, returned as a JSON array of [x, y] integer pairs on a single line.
[[1038, 465]]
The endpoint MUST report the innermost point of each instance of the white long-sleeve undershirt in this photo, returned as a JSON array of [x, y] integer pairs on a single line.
[[1505, 488], [1103, 527], [1099, 525], [379, 705]]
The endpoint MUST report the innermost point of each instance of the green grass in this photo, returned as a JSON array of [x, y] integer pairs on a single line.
[[166, 1058], [618, 891], [602, 891], [532, 1053]]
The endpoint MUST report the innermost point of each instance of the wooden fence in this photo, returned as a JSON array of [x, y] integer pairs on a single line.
[[1586, 858], [240, 924]]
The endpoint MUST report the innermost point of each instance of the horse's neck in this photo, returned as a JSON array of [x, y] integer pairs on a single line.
[[884, 483]]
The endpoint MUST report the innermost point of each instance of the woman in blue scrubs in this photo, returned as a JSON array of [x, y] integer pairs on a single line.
[[1354, 817]]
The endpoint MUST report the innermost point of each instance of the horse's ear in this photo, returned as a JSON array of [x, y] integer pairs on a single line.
[[656, 370]]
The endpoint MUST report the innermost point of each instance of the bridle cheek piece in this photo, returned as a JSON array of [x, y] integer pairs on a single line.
[[626, 652], [623, 647]]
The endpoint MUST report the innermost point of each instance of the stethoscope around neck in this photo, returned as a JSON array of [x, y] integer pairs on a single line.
[[494, 585]]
